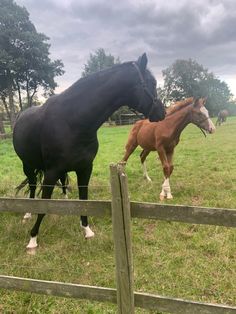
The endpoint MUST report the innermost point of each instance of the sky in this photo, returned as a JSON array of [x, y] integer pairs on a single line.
[[204, 30]]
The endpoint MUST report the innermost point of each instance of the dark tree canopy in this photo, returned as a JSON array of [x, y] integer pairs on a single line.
[[186, 78], [99, 61], [25, 64]]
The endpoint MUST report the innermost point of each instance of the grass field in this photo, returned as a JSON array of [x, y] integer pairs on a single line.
[[173, 259]]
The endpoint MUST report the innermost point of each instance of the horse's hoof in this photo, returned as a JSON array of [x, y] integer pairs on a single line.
[[122, 163], [88, 232], [169, 197], [31, 251], [27, 216], [162, 197], [32, 243]]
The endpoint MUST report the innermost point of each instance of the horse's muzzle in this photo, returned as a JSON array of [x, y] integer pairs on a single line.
[[157, 113]]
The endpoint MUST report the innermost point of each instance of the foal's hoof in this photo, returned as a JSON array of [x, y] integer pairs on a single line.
[[162, 197], [169, 197], [88, 232]]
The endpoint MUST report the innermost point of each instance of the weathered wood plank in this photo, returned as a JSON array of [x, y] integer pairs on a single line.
[[179, 306], [60, 289], [101, 294], [122, 240], [59, 207], [187, 214]]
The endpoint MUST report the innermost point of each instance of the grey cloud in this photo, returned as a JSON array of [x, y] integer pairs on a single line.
[[200, 29]]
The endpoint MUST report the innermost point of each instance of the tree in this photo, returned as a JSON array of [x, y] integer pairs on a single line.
[[24, 58], [187, 78], [99, 61]]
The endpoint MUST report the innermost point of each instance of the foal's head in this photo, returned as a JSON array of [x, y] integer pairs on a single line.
[[200, 115], [145, 94]]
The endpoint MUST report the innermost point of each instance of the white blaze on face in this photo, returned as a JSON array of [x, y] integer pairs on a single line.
[[211, 126]]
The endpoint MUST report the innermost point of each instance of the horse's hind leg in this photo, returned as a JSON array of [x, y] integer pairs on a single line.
[[64, 182], [143, 157], [32, 180], [129, 148], [83, 181], [50, 179]]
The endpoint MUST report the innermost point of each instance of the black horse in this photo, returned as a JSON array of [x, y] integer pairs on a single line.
[[61, 135]]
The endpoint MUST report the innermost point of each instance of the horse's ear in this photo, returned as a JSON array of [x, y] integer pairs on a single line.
[[195, 101], [142, 62]]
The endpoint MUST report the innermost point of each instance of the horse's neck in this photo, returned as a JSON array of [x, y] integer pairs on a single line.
[[92, 112], [179, 120]]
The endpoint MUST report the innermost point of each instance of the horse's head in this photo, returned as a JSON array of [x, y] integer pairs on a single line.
[[145, 93], [200, 116]]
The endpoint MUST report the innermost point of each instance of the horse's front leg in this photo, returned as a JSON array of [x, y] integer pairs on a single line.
[[166, 160], [166, 191], [50, 179], [83, 181]]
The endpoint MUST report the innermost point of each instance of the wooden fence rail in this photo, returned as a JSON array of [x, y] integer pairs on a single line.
[[188, 214], [121, 210]]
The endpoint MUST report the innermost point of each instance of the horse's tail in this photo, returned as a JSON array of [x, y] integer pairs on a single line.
[[39, 176]]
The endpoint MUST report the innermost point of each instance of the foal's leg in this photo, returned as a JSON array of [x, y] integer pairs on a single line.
[[83, 181], [50, 179], [167, 169], [30, 174], [129, 148], [143, 157]]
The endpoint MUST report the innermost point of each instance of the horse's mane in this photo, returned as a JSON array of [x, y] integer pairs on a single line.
[[93, 79], [178, 105]]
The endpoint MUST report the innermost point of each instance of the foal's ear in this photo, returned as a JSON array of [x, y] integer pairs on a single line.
[[204, 100], [142, 62], [196, 102]]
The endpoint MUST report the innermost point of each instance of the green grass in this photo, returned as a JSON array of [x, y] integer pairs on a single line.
[[174, 259]]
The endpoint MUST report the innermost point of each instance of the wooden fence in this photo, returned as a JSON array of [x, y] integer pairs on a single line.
[[121, 210]]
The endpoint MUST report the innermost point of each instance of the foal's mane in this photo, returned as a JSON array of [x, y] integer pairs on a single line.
[[178, 105]]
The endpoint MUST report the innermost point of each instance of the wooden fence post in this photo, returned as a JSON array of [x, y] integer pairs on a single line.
[[122, 239]]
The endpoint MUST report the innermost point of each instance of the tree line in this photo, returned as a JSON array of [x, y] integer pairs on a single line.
[[25, 65], [26, 69]]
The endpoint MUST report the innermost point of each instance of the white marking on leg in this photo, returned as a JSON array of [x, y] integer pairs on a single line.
[[32, 243], [88, 232], [65, 196], [27, 216], [166, 192], [145, 173]]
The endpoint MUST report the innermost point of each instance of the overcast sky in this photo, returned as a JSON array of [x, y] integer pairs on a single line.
[[204, 30]]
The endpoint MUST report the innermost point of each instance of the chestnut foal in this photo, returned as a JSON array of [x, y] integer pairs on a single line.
[[163, 136]]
